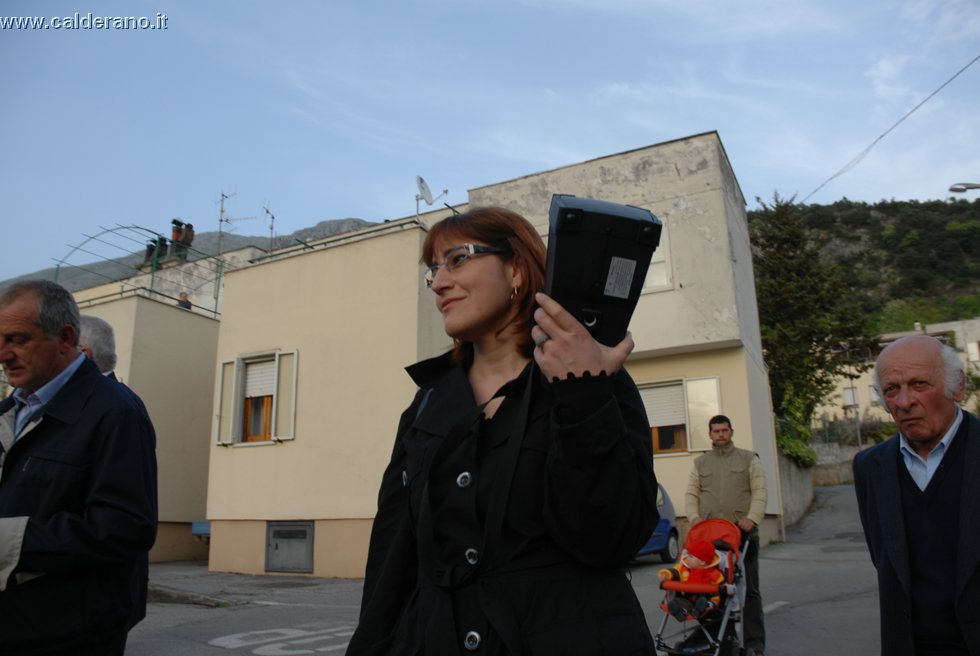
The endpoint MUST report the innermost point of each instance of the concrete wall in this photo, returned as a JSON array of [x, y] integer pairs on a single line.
[[338, 547], [797, 487], [174, 542], [689, 186], [166, 355], [834, 464], [201, 279]]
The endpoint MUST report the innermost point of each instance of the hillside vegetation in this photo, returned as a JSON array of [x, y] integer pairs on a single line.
[[831, 278], [902, 261]]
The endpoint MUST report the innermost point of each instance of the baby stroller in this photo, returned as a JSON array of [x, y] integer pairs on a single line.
[[712, 631]]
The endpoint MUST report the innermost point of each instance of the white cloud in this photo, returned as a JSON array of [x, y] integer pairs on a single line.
[[888, 76]]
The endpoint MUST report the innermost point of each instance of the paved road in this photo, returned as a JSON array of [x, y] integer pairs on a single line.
[[824, 574], [818, 589]]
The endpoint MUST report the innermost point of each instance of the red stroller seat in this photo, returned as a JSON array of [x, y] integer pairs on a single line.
[[712, 632]]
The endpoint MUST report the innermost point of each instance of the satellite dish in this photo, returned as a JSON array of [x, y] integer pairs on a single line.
[[424, 192]]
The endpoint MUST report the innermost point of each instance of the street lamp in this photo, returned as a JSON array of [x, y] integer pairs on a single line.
[[961, 187]]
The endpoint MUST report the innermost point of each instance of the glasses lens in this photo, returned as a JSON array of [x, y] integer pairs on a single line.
[[454, 257], [457, 257]]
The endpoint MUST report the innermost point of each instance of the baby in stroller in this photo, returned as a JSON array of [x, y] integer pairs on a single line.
[[705, 592], [698, 564]]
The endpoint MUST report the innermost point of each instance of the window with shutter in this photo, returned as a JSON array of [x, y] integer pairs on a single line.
[[260, 380], [668, 422], [679, 412], [256, 398]]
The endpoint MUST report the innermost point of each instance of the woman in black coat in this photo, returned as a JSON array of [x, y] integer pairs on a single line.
[[521, 481]]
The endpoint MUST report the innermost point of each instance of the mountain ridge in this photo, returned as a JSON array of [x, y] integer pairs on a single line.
[[81, 276]]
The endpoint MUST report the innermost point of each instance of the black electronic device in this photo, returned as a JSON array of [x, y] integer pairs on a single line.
[[598, 256]]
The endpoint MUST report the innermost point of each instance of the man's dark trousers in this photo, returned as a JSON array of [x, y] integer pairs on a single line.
[[753, 627]]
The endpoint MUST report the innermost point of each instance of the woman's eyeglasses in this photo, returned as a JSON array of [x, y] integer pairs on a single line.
[[456, 257]]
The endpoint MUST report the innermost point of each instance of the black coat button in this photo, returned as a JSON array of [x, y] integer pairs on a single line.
[[472, 556], [464, 480], [472, 641]]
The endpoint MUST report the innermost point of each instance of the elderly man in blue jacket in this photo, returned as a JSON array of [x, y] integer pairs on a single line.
[[78, 499], [917, 496]]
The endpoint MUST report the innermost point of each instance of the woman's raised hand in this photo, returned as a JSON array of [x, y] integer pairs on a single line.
[[564, 345]]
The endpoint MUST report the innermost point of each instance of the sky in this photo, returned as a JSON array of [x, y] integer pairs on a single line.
[[329, 110]]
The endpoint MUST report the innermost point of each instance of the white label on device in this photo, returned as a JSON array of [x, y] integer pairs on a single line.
[[620, 277]]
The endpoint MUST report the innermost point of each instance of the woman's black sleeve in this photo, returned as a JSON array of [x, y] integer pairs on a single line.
[[601, 492]]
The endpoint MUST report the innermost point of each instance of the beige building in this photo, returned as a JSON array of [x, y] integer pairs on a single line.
[[309, 382], [308, 392], [698, 346], [166, 355]]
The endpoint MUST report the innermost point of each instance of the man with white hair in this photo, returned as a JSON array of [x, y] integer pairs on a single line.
[[918, 498], [98, 342]]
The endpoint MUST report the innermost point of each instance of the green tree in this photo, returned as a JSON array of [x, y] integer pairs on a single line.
[[905, 261], [813, 331], [901, 314]]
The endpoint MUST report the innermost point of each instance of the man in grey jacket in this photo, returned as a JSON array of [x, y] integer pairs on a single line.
[[729, 483]]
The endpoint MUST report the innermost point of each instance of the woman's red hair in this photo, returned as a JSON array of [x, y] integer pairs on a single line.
[[502, 228]]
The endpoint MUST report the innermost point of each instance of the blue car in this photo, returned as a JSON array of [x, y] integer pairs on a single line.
[[664, 541]]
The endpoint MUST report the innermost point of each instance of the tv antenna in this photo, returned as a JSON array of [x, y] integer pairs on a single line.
[[425, 194], [272, 224], [222, 219]]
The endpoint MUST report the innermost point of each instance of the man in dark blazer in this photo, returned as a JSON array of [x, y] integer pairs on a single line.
[[919, 500], [78, 504]]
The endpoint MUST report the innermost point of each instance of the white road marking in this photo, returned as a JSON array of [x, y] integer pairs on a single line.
[[776, 605]]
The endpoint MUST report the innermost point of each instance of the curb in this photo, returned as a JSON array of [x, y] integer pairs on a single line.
[[163, 595]]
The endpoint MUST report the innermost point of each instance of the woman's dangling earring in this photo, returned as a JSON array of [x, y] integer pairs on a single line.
[[513, 294]]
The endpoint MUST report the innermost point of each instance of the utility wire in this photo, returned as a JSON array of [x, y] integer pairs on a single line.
[[854, 162]]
